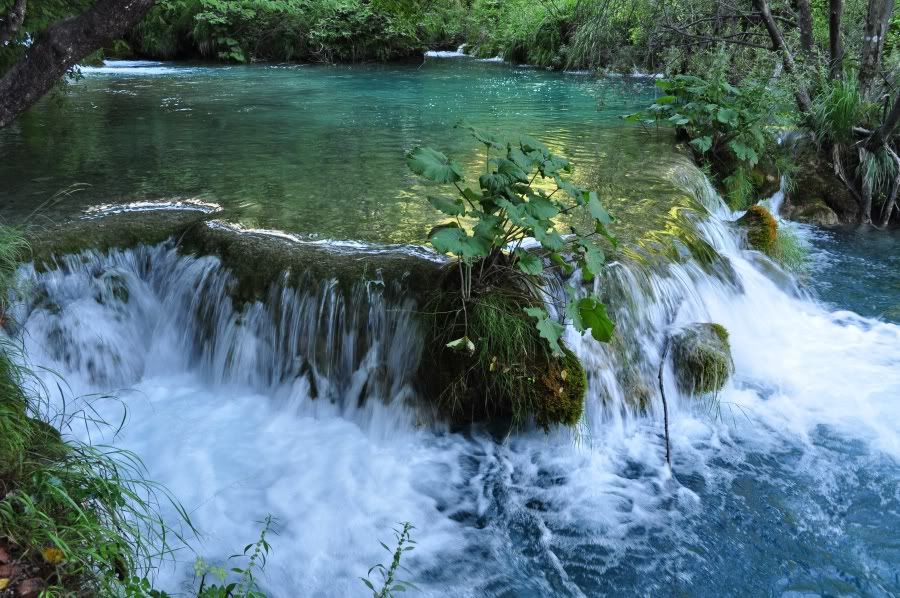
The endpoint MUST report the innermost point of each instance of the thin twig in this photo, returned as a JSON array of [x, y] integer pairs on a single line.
[[662, 391]]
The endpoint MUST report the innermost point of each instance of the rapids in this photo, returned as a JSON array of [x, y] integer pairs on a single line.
[[299, 407]]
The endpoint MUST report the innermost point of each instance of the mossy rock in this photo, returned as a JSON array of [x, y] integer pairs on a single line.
[[815, 185], [762, 229], [816, 212], [511, 375], [701, 357], [766, 180]]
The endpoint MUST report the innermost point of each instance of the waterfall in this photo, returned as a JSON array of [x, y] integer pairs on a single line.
[[302, 404]]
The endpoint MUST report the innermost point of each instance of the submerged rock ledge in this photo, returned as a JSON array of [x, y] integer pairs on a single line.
[[257, 258]]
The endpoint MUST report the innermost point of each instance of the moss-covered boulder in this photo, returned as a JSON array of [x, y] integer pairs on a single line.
[[761, 227], [815, 187], [701, 358], [815, 212], [507, 375]]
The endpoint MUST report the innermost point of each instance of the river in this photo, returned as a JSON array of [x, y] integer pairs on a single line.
[[790, 488]]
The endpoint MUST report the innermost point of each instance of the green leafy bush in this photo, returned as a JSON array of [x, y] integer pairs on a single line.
[[732, 129], [490, 224]]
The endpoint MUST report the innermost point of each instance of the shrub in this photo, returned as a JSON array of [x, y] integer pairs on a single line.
[[732, 129]]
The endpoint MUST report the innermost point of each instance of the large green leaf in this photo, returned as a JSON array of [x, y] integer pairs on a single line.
[[554, 164], [548, 238], [568, 187], [511, 170], [530, 144], [447, 238], [541, 208], [485, 137], [703, 144], [727, 116], [592, 260], [488, 226], [592, 315], [522, 160], [494, 182], [745, 153], [547, 328], [597, 209], [450, 206], [528, 262], [433, 165]]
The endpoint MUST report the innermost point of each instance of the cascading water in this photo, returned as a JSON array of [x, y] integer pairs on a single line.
[[302, 406]]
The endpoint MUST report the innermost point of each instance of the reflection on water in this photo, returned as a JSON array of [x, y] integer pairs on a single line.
[[316, 149]]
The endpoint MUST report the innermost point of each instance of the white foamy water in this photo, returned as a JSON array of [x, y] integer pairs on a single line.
[[134, 67], [460, 52], [302, 407]]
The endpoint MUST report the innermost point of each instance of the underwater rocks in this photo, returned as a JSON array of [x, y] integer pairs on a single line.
[[701, 357]]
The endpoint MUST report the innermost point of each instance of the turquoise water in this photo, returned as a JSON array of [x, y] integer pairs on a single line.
[[312, 149]]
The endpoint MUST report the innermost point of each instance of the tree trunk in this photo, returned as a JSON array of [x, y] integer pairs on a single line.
[[803, 100], [883, 133], [806, 28], [878, 19], [835, 39], [13, 21], [60, 47]]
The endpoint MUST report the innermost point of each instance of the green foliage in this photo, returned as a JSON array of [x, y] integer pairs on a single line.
[[301, 30], [507, 208], [790, 250], [727, 127], [390, 585], [838, 107]]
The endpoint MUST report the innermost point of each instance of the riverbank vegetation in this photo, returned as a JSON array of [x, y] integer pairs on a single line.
[[501, 352]]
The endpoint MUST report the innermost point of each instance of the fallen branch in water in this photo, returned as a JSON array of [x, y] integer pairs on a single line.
[[662, 392]]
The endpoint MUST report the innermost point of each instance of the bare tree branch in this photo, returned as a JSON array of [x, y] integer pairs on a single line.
[[803, 100]]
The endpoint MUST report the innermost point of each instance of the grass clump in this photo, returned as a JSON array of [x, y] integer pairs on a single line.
[[77, 519], [701, 355], [790, 250], [511, 375]]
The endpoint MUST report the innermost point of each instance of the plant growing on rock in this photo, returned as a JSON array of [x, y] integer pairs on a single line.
[[507, 357], [508, 209]]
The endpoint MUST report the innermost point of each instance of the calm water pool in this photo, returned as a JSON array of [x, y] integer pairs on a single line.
[[314, 149]]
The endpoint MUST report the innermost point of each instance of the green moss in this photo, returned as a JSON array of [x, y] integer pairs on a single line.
[[701, 355], [559, 397], [511, 376], [721, 332], [762, 229]]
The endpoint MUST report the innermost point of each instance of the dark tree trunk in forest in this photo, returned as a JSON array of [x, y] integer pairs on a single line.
[[12, 22], [762, 6], [806, 27], [60, 47], [835, 40], [878, 18], [883, 133]]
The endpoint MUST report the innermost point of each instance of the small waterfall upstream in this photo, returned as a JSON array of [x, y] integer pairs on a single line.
[[303, 405]]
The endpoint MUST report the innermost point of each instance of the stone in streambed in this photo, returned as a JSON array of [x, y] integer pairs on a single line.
[[701, 357]]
